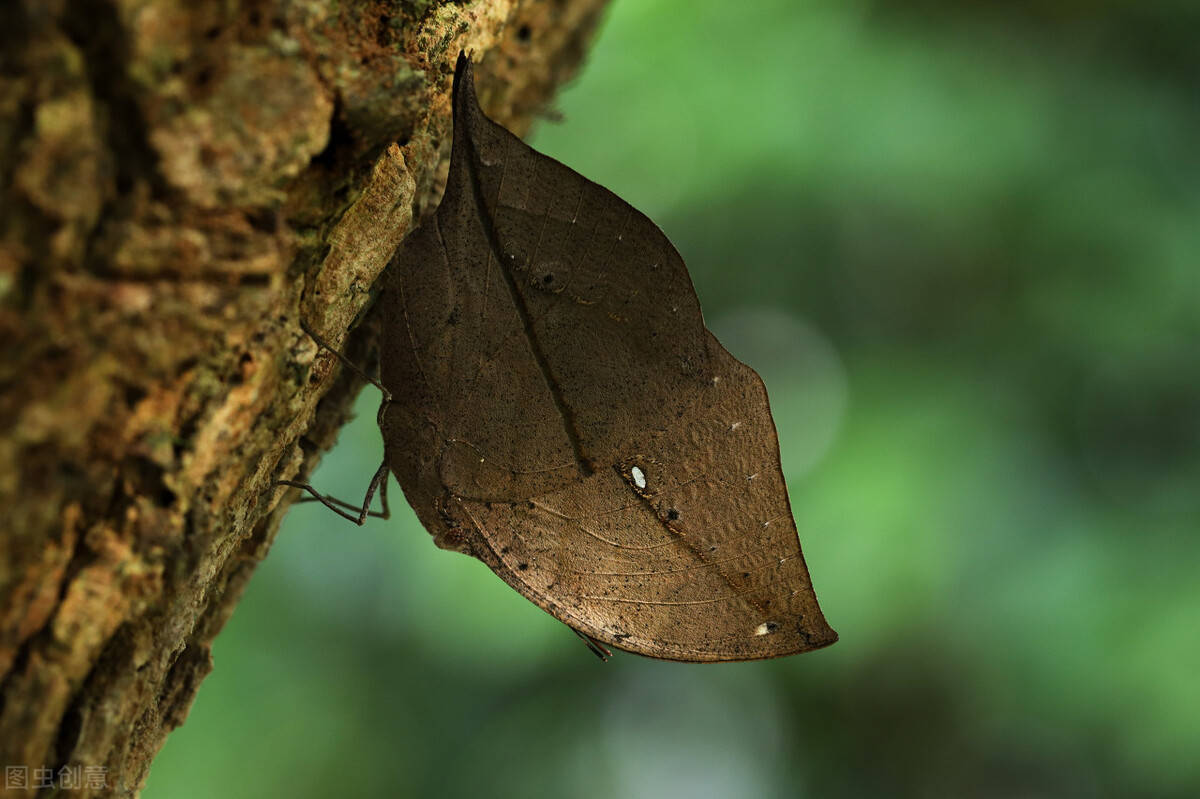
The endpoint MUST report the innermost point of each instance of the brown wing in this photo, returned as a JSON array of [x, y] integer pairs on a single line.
[[559, 399], [694, 556]]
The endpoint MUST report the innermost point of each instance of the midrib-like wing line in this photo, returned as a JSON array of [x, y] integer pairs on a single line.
[[504, 341], [564, 410], [489, 357]]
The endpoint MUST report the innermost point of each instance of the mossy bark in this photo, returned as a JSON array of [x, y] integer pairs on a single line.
[[182, 183]]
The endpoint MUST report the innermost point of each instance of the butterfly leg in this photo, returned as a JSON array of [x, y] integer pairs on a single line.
[[598, 649], [385, 513], [378, 483]]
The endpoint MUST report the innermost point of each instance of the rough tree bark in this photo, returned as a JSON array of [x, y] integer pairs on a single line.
[[182, 183]]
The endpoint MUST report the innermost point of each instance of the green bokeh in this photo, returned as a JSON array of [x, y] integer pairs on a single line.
[[962, 245]]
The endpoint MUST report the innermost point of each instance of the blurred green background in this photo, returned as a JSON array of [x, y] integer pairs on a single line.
[[961, 244]]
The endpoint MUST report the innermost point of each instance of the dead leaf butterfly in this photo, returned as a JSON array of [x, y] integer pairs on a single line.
[[555, 407]]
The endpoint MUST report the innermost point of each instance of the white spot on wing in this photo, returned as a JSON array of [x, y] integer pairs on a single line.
[[639, 477], [766, 628]]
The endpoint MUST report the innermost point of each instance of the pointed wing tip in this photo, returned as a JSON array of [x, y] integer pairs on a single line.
[[464, 74], [462, 65], [828, 639], [464, 85], [821, 637]]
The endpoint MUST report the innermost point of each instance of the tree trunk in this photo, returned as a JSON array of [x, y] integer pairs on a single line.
[[182, 184]]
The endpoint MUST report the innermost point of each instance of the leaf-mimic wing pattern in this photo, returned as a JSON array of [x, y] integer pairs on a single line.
[[561, 413]]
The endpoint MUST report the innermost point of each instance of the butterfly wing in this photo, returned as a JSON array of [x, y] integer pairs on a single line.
[[693, 556], [563, 414]]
